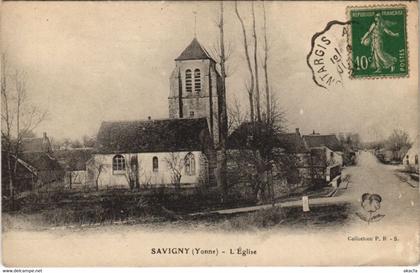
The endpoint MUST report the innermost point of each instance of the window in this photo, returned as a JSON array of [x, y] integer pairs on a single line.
[[191, 113], [197, 80], [188, 80], [189, 164], [155, 164], [416, 159], [331, 154], [118, 163]]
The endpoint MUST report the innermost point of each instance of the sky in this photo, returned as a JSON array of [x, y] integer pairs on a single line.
[[88, 62]]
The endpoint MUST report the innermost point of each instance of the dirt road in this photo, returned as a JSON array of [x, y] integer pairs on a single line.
[[400, 201]]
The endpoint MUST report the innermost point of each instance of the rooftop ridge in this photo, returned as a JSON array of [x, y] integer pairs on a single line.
[[156, 119]]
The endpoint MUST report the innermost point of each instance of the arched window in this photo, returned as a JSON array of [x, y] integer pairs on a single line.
[[189, 164], [118, 163], [197, 80], [188, 80], [155, 164]]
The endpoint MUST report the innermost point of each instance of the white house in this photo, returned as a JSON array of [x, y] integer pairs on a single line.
[[332, 147], [150, 153]]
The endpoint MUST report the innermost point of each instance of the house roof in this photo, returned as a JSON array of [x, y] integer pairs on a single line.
[[330, 141], [292, 143], [164, 135], [74, 159], [194, 51], [32, 144], [41, 161], [240, 138], [36, 144]]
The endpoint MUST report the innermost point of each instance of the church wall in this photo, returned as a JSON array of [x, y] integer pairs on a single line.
[[147, 177]]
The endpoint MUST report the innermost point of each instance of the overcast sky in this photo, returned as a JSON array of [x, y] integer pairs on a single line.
[[87, 62]]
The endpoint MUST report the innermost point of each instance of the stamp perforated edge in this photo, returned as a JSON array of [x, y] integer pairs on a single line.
[[349, 42]]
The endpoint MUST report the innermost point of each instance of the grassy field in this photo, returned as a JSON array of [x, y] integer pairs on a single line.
[[163, 208], [318, 217]]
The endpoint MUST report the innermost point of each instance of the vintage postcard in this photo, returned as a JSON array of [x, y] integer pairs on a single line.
[[221, 133]]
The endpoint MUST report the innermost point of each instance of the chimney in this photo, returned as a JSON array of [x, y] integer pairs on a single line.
[[297, 131], [149, 118], [44, 135], [313, 132]]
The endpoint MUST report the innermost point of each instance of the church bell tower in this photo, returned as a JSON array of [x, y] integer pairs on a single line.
[[195, 88]]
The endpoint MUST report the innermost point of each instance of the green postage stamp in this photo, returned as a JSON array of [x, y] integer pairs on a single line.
[[378, 41]]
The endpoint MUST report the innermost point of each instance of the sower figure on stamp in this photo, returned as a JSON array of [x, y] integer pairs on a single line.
[[375, 38]]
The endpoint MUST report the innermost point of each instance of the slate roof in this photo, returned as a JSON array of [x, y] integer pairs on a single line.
[[194, 51], [41, 161], [330, 141], [163, 135], [38, 144], [73, 160], [32, 144], [291, 142]]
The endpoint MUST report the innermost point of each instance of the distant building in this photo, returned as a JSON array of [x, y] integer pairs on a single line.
[[74, 164], [36, 165], [287, 147], [48, 170], [36, 145]]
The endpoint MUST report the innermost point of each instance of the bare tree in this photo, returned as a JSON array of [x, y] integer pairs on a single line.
[[250, 87], [95, 168], [265, 66], [223, 111], [257, 86], [236, 115], [256, 152], [132, 172], [19, 117], [399, 143], [175, 165], [89, 141]]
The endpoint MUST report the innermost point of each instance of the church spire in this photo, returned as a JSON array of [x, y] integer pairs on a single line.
[[194, 51]]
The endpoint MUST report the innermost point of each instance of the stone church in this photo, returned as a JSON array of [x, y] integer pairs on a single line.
[[180, 150]]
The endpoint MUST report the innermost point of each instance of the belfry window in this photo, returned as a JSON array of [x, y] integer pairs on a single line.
[[197, 80], [188, 80]]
